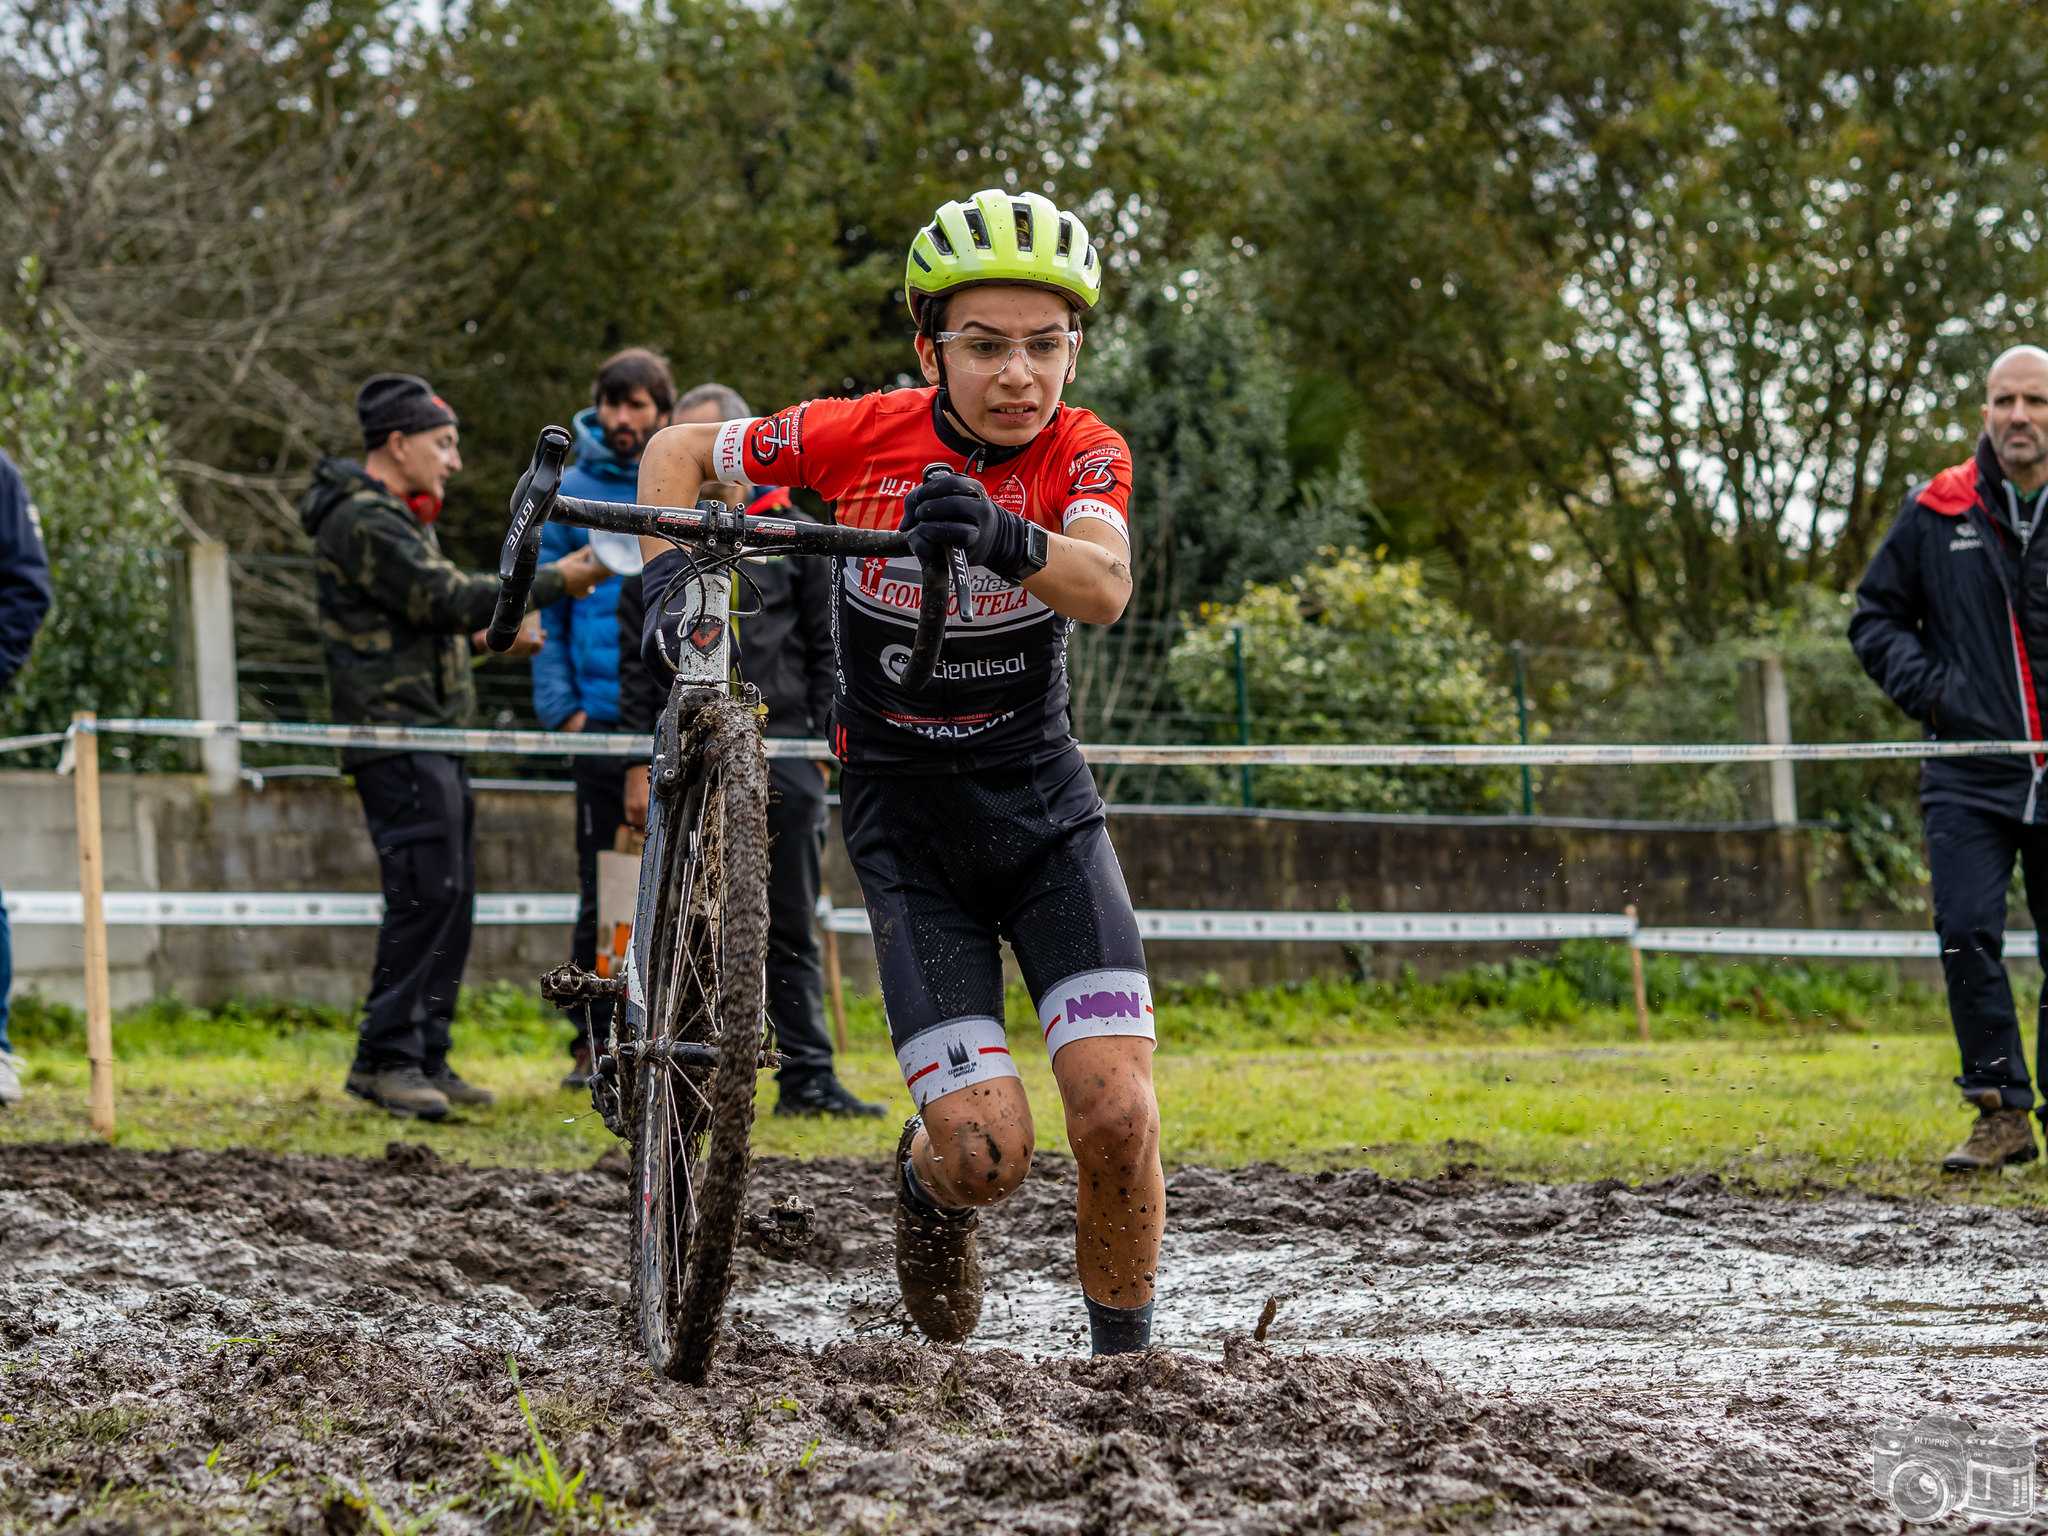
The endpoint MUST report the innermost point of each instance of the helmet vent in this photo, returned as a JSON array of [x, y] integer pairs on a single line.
[[1066, 244], [939, 239], [922, 264], [978, 228], [1021, 212]]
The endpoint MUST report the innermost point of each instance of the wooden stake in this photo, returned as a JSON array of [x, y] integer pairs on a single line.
[[832, 981], [1635, 965], [99, 1010]]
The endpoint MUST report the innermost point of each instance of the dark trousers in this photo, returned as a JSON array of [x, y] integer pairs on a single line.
[[796, 978], [600, 812], [1970, 854], [423, 823]]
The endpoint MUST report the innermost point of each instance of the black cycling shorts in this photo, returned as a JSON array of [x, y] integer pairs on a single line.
[[951, 864]]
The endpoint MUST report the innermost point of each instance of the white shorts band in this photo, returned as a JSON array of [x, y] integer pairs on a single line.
[[954, 1055], [1096, 1003]]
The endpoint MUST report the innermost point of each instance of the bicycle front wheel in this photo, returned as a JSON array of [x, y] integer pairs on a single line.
[[707, 955]]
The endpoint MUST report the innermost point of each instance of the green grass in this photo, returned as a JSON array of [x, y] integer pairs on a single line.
[[1785, 1075]]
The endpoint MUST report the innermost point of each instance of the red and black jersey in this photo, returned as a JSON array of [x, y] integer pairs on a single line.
[[1000, 696]]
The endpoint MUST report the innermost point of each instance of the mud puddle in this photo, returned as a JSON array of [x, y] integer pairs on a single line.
[[209, 1341]]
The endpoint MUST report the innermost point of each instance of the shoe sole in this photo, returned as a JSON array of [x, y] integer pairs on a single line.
[[2023, 1156], [398, 1110]]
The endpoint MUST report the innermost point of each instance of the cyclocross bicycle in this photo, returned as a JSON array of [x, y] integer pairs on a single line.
[[675, 1076]]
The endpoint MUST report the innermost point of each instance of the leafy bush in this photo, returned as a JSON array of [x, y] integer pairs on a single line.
[[1353, 649]]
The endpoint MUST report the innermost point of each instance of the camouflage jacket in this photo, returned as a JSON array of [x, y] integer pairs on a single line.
[[395, 613]]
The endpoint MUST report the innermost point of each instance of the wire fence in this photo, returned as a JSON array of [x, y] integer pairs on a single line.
[[1124, 692]]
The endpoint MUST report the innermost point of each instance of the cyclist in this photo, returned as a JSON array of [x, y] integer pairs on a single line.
[[967, 810]]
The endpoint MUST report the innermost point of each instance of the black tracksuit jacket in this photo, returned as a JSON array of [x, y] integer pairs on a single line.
[[1952, 622]]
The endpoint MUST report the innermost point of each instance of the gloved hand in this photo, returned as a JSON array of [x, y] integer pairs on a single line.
[[955, 512]]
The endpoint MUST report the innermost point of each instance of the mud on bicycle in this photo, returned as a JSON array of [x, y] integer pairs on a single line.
[[675, 1076]]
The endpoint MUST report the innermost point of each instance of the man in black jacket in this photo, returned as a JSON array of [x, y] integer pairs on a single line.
[[396, 622], [1952, 622], [785, 650]]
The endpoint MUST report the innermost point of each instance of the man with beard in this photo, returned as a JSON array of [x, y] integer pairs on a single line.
[[1952, 621], [576, 675]]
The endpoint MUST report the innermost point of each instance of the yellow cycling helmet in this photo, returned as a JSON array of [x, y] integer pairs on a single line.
[[1002, 237]]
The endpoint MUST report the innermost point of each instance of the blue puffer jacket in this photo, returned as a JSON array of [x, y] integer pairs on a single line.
[[579, 666]]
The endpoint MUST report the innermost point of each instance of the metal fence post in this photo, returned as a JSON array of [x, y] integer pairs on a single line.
[[213, 660], [1522, 722], [1244, 715]]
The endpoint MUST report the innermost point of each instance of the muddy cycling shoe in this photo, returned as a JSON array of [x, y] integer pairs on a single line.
[[456, 1091], [11, 1069], [2000, 1136], [401, 1090], [824, 1096], [938, 1267]]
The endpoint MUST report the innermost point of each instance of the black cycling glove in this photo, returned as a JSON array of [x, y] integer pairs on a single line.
[[955, 512]]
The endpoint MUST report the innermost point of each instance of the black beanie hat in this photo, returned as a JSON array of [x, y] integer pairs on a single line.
[[399, 402]]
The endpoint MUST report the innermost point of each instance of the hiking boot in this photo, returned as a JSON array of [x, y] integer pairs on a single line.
[[11, 1069], [2000, 1136], [938, 1269], [401, 1090], [824, 1096], [578, 1076], [456, 1091]]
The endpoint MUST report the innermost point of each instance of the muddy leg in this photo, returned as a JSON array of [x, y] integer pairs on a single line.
[[1113, 1125], [976, 1144]]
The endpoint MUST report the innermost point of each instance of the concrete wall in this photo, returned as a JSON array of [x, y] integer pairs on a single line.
[[165, 832]]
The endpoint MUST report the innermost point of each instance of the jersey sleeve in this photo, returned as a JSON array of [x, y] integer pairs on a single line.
[[1098, 481], [806, 445]]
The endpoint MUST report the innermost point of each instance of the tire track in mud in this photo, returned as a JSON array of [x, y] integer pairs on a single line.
[[1446, 1354]]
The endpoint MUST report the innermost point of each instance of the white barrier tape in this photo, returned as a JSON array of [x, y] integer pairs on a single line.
[[352, 909], [1834, 943], [28, 743], [1341, 927], [1298, 755], [266, 909]]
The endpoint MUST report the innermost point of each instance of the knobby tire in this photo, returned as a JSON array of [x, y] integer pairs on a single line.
[[708, 954]]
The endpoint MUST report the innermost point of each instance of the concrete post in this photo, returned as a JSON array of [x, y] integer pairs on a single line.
[[1767, 717], [213, 661], [1778, 732]]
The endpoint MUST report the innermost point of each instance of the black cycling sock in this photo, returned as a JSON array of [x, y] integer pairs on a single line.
[[915, 1195], [1118, 1330]]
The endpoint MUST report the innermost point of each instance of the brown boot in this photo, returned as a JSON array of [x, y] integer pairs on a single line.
[[938, 1268], [2000, 1136]]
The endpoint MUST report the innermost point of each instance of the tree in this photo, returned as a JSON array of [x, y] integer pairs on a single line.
[[1699, 283], [1351, 649], [235, 200], [94, 460], [732, 184]]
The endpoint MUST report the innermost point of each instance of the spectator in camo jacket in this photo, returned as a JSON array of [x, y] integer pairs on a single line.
[[397, 623]]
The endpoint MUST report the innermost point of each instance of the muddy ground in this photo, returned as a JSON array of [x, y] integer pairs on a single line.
[[224, 1342]]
